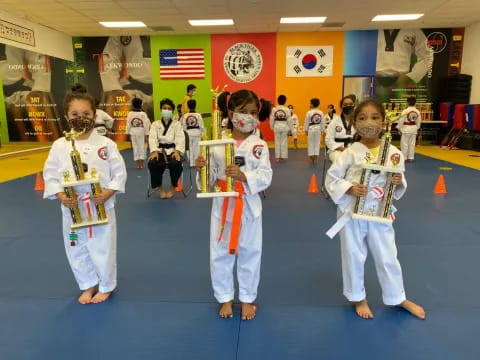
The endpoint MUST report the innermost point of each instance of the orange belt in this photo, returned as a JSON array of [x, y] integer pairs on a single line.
[[237, 215]]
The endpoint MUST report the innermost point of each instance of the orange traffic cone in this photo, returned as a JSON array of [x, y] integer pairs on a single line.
[[440, 187], [39, 184], [313, 187], [179, 186]]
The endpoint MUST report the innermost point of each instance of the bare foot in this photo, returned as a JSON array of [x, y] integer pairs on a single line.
[[169, 194], [100, 297], [414, 309], [87, 295], [226, 310], [248, 311], [161, 193], [363, 310]]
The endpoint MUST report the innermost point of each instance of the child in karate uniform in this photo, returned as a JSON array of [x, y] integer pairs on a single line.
[[94, 257], [236, 223], [358, 236]]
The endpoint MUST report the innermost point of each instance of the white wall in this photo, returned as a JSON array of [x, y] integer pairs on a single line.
[[471, 59], [47, 41]]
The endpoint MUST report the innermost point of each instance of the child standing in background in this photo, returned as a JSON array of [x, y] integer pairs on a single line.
[[408, 126], [138, 127], [314, 126], [193, 124]]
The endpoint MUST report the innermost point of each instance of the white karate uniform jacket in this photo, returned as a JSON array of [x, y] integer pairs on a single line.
[[410, 121], [174, 135], [336, 130], [93, 260]]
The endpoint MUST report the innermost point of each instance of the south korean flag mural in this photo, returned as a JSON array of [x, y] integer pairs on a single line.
[[309, 61]]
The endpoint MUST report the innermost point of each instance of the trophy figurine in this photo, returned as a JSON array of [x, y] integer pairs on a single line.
[[383, 212], [206, 189], [81, 178]]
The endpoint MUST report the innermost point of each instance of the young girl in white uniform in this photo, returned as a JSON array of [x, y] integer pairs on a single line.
[[357, 236], [138, 127], [236, 223], [94, 257]]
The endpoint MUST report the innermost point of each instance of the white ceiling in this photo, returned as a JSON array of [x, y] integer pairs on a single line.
[[78, 17]]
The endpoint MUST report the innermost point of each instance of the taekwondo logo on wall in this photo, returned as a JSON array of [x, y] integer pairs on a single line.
[[309, 61], [243, 62], [437, 41]]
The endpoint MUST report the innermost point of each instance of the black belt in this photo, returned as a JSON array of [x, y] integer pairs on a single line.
[[280, 119], [166, 146], [346, 141], [99, 125], [193, 127]]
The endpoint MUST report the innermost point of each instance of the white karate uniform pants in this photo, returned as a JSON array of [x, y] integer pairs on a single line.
[[93, 260], [314, 142], [281, 144], [356, 238], [194, 148], [248, 260], [407, 144], [138, 146]]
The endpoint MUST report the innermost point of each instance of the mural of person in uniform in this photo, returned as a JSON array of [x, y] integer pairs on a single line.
[[403, 60], [32, 114]]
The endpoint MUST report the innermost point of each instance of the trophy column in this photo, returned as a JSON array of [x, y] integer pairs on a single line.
[[69, 185]]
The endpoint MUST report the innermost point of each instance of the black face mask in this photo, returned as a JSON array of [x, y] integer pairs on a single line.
[[81, 123], [347, 109]]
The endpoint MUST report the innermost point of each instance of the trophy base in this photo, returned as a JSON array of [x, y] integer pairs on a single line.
[[79, 182], [384, 169], [217, 194], [372, 218], [88, 224]]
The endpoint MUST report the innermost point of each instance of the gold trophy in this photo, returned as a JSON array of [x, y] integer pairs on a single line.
[[81, 178], [205, 146], [383, 212]]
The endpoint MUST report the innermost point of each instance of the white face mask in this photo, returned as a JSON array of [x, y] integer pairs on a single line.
[[194, 92], [244, 123], [167, 114]]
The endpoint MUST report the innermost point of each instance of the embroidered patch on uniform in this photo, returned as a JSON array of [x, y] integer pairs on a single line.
[[338, 128], [316, 119], [395, 158], [136, 122], [102, 153], [377, 193], [257, 151], [192, 122], [280, 115], [412, 116]]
